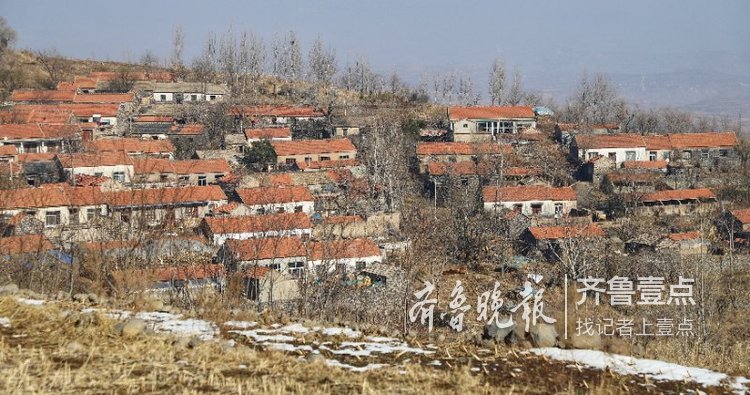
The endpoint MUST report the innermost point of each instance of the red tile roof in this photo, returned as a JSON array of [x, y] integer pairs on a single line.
[[455, 148], [495, 112], [94, 159], [267, 248], [131, 145], [645, 164], [36, 157], [50, 196], [703, 140], [258, 223], [256, 196], [527, 193], [302, 147], [165, 196], [86, 110], [25, 244], [36, 95], [192, 129], [104, 98], [685, 236], [658, 143], [597, 141], [678, 194], [742, 215], [564, 232], [342, 249], [34, 113], [268, 133], [28, 131], [6, 150], [194, 166]]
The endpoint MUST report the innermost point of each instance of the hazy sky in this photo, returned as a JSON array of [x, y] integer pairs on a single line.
[[544, 39]]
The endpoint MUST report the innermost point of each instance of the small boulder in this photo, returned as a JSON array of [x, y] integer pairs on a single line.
[[315, 357], [81, 298], [93, 298], [497, 333], [543, 335], [75, 348], [62, 295], [133, 327], [8, 289], [587, 341], [155, 305]]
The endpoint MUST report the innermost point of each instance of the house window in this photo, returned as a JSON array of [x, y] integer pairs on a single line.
[[704, 153], [723, 153], [149, 216], [90, 214], [296, 269], [212, 97], [98, 174], [322, 158], [518, 207], [73, 215], [298, 209], [629, 155], [360, 265], [218, 177], [261, 211], [280, 210], [290, 161], [163, 97], [536, 208], [31, 181], [687, 154], [612, 156], [183, 180], [52, 218], [193, 97], [667, 155], [593, 155], [125, 216], [275, 266], [118, 176], [202, 181], [163, 178], [343, 157], [652, 155], [308, 160], [558, 208], [341, 268]]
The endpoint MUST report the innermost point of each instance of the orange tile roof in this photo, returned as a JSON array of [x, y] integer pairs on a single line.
[[164, 196], [280, 179], [25, 244], [104, 98], [655, 142], [28, 131], [645, 164], [267, 248], [192, 129], [494, 112], [84, 82], [597, 141], [342, 249], [685, 236], [678, 194], [225, 208], [194, 166], [86, 110], [83, 159], [302, 147], [6, 150], [703, 140], [563, 232], [327, 164], [258, 223], [268, 133], [35, 113], [50, 196], [131, 145], [36, 95], [37, 157], [742, 215], [456, 148], [275, 111], [527, 193], [256, 196]]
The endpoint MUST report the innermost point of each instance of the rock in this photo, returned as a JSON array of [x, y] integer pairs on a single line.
[[496, 333], [155, 305], [518, 335], [75, 347], [586, 341], [81, 298], [8, 289], [315, 357], [181, 342], [133, 327], [194, 342], [228, 345], [543, 335], [93, 298]]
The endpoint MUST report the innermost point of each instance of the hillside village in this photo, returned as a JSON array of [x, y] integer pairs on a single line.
[[338, 203]]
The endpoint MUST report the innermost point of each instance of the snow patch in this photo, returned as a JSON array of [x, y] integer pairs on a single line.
[[241, 324], [333, 362], [5, 322], [654, 369], [32, 302]]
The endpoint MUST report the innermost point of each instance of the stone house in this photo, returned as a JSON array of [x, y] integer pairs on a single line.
[[483, 124], [531, 200]]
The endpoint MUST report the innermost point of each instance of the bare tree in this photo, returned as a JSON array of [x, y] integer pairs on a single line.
[[178, 45], [54, 65], [7, 36], [497, 82], [322, 63], [360, 78], [596, 102], [204, 66], [515, 95]]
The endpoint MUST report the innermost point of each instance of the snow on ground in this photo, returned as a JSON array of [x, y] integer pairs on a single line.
[[5, 322], [32, 302], [654, 369], [174, 323], [366, 349], [338, 364], [241, 324]]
